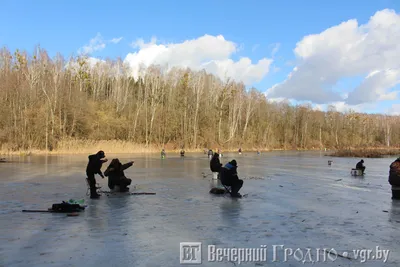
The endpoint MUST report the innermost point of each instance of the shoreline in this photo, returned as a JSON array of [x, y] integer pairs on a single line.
[[365, 153], [141, 151], [88, 147]]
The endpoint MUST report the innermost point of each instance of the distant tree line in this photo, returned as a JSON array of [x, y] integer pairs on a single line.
[[43, 102]]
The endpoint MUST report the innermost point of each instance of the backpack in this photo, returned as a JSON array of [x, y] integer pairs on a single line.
[[66, 207]]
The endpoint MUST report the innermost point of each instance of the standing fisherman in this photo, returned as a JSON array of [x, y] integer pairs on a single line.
[[94, 167]]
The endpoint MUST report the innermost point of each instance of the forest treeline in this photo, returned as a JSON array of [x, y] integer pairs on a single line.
[[46, 102]]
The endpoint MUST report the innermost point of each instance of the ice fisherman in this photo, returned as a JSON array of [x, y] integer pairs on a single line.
[[94, 167], [229, 177], [163, 154], [182, 153], [360, 166], [394, 178], [215, 165], [116, 175]]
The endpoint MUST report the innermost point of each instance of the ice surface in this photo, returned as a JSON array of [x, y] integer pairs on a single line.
[[301, 203]]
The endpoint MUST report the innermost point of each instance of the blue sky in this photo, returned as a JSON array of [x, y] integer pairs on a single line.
[[66, 26]]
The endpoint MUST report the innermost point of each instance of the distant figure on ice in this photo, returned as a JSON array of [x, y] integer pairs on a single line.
[[229, 177], [116, 175], [94, 167], [163, 154], [394, 178], [360, 166], [182, 153], [240, 150]]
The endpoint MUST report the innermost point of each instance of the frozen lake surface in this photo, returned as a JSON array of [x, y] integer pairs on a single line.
[[301, 203]]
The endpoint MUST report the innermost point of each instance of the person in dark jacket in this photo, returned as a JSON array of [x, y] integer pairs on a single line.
[[116, 175], [360, 166], [394, 178], [94, 167], [215, 164], [229, 177]]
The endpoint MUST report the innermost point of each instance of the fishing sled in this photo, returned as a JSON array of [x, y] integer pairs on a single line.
[[64, 207]]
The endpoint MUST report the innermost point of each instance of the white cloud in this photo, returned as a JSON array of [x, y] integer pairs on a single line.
[[94, 61], [277, 100], [319, 107], [212, 53], [91, 63], [275, 49], [139, 43], [341, 106], [394, 110], [95, 44], [374, 87], [116, 40], [347, 50]]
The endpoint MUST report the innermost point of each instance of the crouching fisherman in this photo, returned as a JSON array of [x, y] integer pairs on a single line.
[[116, 176], [94, 167], [229, 177], [394, 178], [360, 166]]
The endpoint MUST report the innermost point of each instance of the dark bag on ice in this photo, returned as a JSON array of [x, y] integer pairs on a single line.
[[66, 207]]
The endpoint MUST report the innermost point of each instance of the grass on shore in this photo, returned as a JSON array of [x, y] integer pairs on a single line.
[[366, 153], [112, 146], [75, 147]]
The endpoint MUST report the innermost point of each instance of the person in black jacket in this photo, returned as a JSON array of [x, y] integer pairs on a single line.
[[229, 177], [394, 178], [215, 164], [94, 167], [116, 175], [360, 166]]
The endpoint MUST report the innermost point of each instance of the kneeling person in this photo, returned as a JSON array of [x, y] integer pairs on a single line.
[[116, 175], [229, 177], [360, 166]]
